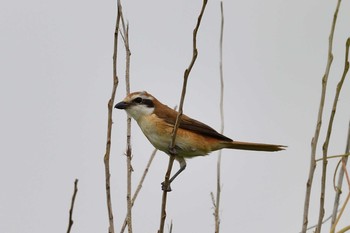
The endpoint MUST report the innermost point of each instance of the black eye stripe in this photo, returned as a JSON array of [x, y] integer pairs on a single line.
[[137, 100], [149, 103]]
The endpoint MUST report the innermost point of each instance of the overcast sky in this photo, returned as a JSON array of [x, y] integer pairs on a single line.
[[56, 79]]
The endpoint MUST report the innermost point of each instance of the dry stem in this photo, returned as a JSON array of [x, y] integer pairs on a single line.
[[216, 202], [319, 123], [110, 122], [177, 122], [70, 223], [328, 135], [334, 156], [125, 36]]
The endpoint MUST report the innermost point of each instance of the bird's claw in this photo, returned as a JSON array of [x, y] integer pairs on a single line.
[[166, 188], [172, 151]]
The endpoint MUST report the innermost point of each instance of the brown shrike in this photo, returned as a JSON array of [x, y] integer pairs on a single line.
[[193, 138]]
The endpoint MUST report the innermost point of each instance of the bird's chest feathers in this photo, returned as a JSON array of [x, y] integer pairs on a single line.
[[156, 130], [159, 134]]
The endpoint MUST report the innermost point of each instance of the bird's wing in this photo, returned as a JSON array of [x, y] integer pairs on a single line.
[[201, 128], [187, 123]]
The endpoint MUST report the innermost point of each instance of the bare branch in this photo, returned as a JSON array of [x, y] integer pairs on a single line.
[[125, 36], [328, 136], [318, 125], [218, 166], [186, 74], [110, 122], [177, 122], [70, 223]]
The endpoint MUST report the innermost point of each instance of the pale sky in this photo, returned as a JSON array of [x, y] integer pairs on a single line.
[[56, 79]]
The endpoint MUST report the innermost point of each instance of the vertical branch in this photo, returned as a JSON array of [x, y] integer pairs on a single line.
[[70, 223], [187, 73], [340, 180], [109, 124], [328, 136], [139, 186], [218, 165], [177, 122], [125, 35], [221, 70], [319, 122], [165, 194]]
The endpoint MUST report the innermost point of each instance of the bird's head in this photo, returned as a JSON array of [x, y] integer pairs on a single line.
[[137, 104]]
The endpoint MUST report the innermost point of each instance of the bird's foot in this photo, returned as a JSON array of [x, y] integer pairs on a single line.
[[172, 150], [165, 187]]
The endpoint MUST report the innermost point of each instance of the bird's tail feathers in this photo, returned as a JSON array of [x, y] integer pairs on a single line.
[[253, 146]]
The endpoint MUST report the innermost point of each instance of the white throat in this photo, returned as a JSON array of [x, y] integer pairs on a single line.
[[138, 111]]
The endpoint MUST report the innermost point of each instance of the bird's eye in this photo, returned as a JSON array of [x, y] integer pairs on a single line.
[[138, 100]]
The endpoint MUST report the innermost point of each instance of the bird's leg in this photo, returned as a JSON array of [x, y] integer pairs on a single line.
[[182, 168], [182, 163]]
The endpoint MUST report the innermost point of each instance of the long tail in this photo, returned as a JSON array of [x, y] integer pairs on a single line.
[[253, 146]]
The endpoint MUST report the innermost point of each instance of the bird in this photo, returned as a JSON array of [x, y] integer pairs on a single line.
[[193, 138]]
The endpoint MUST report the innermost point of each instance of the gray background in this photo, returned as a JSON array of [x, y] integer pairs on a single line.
[[56, 78]]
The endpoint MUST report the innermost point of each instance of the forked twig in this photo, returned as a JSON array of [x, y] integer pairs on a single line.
[[70, 222], [177, 122], [319, 123]]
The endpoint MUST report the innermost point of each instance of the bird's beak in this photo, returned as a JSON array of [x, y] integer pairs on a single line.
[[121, 105]]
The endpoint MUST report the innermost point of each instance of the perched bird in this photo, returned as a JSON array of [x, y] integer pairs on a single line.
[[193, 138]]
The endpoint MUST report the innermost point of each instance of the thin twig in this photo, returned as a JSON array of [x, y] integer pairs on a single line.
[[218, 165], [165, 194], [345, 229], [334, 157], [177, 122], [334, 176], [70, 223], [319, 123], [186, 74], [125, 36], [340, 180], [110, 122], [213, 199], [328, 136], [139, 186], [346, 200], [171, 226], [324, 221]]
